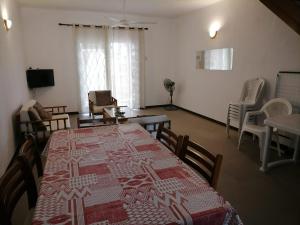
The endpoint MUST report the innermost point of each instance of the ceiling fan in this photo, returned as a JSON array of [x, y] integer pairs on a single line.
[[124, 22]]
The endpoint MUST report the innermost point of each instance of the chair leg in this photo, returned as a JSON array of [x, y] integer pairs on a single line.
[[228, 123], [261, 140], [228, 127], [278, 144], [241, 119], [240, 139]]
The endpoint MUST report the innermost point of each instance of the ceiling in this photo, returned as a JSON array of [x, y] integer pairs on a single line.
[[161, 8]]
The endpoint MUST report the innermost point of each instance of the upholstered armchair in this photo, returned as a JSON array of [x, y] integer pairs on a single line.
[[98, 100]]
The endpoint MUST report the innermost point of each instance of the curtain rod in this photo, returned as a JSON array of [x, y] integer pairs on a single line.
[[100, 26]]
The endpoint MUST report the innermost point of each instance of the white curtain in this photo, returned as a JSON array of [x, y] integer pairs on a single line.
[[90, 44], [126, 55], [111, 59]]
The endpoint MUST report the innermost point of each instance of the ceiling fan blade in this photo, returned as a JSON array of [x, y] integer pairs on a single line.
[[120, 25], [114, 19], [142, 22]]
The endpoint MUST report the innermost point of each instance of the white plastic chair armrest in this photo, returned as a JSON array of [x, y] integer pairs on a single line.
[[251, 113], [254, 113]]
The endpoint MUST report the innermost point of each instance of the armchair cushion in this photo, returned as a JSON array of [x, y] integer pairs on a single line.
[[24, 116], [43, 113], [103, 98], [34, 116]]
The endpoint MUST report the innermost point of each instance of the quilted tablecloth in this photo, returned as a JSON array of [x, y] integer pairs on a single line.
[[121, 175]]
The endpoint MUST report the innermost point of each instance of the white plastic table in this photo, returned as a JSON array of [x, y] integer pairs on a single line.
[[288, 123]]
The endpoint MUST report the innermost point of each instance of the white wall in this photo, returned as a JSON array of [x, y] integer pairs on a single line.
[[263, 45], [51, 46], [13, 87]]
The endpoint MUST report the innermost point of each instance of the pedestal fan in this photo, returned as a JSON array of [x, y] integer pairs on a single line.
[[170, 87]]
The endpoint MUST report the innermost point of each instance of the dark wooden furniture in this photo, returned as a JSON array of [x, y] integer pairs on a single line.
[[42, 131], [127, 113], [169, 139], [61, 109], [36, 126], [151, 122], [207, 164], [88, 122], [29, 151], [15, 182]]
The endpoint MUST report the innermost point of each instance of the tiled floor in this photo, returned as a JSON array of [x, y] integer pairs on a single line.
[[261, 199]]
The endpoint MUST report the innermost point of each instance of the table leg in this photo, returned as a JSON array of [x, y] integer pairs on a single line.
[[265, 159], [295, 157]]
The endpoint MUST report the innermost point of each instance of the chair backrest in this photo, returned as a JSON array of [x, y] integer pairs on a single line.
[[207, 164], [277, 107], [15, 182], [29, 151], [101, 98], [169, 139], [252, 91]]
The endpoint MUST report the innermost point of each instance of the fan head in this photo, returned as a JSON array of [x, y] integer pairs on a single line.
[[169, 85]]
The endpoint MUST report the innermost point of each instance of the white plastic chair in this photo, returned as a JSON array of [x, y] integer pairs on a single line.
[[250, 99], [274, 107]]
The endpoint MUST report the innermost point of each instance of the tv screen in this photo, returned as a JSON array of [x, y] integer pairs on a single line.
[[40, 78]]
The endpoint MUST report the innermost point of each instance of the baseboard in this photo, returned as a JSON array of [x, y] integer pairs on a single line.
[[192, 112], [156, 106], [202, 116]]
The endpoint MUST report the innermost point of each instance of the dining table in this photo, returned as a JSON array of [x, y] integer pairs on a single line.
[[120, 174]]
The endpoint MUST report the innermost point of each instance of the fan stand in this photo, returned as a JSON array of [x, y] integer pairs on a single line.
[[171, 107]]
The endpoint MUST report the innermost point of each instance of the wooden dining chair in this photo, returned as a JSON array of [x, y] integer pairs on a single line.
[[207, 164], [15, 182], [168, 138], [29, 151]]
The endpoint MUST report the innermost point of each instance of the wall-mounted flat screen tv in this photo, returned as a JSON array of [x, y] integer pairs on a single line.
[[40, 78]]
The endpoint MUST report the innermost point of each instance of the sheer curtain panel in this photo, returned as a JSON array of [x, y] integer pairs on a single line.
[[126, 54], [91, 60]]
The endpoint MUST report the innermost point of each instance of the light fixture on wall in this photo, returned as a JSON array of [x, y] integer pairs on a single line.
[[213, 29], [7, 24]]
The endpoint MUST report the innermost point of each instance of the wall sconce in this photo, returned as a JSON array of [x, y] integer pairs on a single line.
[[213, 29], [7, 24]]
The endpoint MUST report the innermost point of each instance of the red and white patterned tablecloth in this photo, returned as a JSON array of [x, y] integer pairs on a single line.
[[121, 175]]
